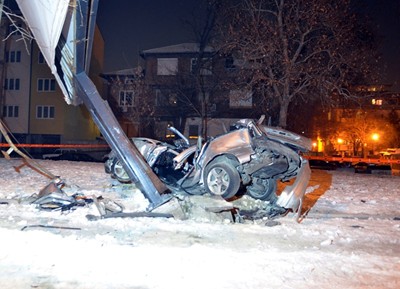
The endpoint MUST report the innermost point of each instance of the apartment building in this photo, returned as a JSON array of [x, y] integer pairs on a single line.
[[181, 85], [31, 102]]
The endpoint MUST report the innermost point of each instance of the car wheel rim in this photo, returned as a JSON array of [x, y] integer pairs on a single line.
[[120, 171], [218, 181]]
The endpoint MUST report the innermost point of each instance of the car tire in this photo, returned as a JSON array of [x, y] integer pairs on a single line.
[[119, 172], [263, 190], [222, 178]]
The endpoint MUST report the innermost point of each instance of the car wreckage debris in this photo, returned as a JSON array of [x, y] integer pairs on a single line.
[[248, 160], [51, 197], [213, 208], [256, 214], [91, 217], [211, 196], [49, 227]]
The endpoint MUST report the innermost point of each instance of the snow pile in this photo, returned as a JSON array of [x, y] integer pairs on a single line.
[[350, 238]]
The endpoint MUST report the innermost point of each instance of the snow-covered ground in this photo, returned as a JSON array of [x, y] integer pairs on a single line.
[[350, 238]]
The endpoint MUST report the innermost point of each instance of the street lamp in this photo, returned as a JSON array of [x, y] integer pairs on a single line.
[[314, 144], [375, 138]]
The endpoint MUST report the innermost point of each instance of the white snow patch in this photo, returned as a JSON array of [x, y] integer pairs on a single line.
[[350, 238]]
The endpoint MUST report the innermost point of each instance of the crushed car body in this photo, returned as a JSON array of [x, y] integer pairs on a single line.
[[250, 159]]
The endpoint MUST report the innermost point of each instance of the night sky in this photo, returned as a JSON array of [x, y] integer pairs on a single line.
[[131, 26], [386, 16]]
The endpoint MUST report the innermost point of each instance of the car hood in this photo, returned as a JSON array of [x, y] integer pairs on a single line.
[[288, 138]]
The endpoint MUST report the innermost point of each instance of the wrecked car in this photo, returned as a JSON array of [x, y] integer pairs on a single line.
[[250, 159]]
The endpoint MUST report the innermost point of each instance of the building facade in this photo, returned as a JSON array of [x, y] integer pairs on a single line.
[[361, 127], [182, 85], [32, 104]]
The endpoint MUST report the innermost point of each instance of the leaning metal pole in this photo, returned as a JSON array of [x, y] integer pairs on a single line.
[[135, 166], [66, 48]]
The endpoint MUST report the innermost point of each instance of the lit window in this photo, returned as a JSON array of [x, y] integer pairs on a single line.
[[377, 101], [168, 132], [193, 131]]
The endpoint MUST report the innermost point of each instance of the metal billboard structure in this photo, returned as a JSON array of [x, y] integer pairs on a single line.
[[64, 30]]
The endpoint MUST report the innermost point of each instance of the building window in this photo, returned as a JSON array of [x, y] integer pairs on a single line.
[[126, 98], [11, 84], [128, 80], [205, 66], [377, 101], [45, 112], [159, 98], [166, 98], [173, 99], [168, 133], [240, 99], [13, 56], [10, 111], [46, 84], [230, 63], [167, 66], [40, 58], [203, 96], [193, 131]]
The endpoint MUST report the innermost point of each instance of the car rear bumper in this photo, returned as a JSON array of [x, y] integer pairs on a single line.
[[292, 196]]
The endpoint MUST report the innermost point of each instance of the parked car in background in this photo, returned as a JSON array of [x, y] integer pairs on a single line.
[[389, 151], [370, 168], [72, 155], [57, 153], [322, 165]]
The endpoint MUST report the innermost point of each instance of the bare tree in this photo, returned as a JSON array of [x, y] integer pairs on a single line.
[[14, 20], [202, 25], [358, 131], [295, 49], [394, 120]]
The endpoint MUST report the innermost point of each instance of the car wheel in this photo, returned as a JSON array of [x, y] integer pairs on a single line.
[[221, 178], [263, 190], [119, 172]]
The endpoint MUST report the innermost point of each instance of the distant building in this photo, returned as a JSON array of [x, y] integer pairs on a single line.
[[31, 103], [186, 85], [348, 127], [124, 90]]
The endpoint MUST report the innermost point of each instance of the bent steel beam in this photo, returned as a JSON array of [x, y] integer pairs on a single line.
[[135, 166], [67, 49]]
